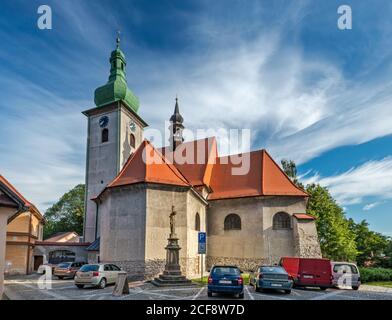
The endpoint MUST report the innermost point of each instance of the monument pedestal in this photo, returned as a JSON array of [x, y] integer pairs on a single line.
[[172, 275]]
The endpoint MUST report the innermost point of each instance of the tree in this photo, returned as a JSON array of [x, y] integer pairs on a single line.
[[371, 245], [337, 240], [67, 214], [290, 168]]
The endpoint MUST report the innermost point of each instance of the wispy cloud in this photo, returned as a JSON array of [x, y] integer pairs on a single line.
[[370, 206], [372, 179]]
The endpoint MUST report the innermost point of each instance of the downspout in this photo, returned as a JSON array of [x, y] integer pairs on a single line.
[[28, 245], [96, 221], [86, 179]]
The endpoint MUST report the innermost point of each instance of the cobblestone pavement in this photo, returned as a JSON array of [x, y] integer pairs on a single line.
[[26, 288]]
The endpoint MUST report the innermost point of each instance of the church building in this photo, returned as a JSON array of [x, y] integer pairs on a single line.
[[250, 219]]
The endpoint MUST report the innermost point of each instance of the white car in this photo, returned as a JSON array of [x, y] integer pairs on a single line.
[[98, 275]]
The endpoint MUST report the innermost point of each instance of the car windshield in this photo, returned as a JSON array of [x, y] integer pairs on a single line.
[[89, 267], [272, 270], [345, 268], [231, 271], [64, 265]]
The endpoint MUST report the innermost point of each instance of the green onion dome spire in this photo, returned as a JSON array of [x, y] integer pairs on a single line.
[[116, 89]]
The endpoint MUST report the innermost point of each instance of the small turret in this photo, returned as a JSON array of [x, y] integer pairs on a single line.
[[176, 128]]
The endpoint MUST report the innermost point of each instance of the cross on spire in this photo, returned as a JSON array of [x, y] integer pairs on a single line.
[[118, 39]]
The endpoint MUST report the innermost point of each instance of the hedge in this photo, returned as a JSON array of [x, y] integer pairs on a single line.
[[375, 274]]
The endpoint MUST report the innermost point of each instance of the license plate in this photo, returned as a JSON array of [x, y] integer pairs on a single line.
[[276, 285], [308, 277], [224, 281]]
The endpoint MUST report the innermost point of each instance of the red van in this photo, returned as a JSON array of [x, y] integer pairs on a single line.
[[308, 272]]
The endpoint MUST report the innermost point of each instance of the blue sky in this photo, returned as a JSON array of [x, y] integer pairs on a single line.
[[308, 91]]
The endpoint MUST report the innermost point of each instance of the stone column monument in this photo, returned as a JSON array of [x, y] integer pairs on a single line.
[[172, 275]]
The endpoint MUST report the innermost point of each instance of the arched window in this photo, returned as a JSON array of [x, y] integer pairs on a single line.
[[282, 220], [105, 135], [197, 222], [233, 222], [132, 140]]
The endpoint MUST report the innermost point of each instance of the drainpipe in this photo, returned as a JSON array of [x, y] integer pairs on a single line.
[[28, 245]]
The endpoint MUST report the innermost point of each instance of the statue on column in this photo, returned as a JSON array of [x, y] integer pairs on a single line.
[[172, 222]]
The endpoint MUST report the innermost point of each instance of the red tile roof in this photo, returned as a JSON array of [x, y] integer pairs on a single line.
[[147, 164], [264, 178], [303, 216], [200, 154], [22, 199], [16, 192]]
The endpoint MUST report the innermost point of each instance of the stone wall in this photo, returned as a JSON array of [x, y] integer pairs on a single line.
[[245, 264], [306, 239]]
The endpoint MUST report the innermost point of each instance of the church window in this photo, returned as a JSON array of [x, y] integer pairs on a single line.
[[233, 222], [105, 135], [132, 141], [197, 222], [281, 220]]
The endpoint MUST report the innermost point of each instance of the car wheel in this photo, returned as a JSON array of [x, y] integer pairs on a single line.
[[355, 287], [241, 296], [61, 278], [80, 286], [102, 284], [209, 293], [287, 291], [323, 288]]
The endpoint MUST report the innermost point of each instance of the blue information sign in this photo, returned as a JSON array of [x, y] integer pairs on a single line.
[[202, 242]]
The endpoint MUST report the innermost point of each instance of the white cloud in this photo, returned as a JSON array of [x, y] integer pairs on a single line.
[[372, 179], [370, 206]]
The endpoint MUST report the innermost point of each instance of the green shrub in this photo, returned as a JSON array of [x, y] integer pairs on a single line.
[[375, 274]]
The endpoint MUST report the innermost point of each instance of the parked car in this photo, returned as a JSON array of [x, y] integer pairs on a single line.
[[67, 269], [271, 277], [98, 275], [226, 279], [345, 274], [42, 268], [308, 272]]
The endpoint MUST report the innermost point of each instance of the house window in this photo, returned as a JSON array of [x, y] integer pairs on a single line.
[[132, 140], [233, 222], [105, 135], [197, 222], [281, 220]]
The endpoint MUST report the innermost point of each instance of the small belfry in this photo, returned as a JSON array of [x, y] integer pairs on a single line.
[[176, 128]]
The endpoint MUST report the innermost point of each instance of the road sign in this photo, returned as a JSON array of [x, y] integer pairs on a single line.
[[202, 239]]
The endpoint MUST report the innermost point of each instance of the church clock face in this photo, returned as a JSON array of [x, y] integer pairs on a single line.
[[132, 126], [103, 122]]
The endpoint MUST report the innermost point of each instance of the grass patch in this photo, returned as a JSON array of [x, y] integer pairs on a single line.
[[204, 281], [386, 284]]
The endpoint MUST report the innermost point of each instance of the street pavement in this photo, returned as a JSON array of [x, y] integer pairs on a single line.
[[27, 288]]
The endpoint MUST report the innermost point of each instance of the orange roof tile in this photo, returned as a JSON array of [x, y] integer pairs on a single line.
[[200, 155], [264, 178], [303, 216], [147, 164], [275, 181]]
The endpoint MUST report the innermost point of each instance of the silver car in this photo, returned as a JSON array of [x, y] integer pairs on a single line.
[[345, 274], [98, 275]]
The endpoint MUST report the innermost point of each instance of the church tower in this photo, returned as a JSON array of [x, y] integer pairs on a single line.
[[176, 128], [115, 130]]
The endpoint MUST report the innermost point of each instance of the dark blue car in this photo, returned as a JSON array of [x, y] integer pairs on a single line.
[[226, 279]]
